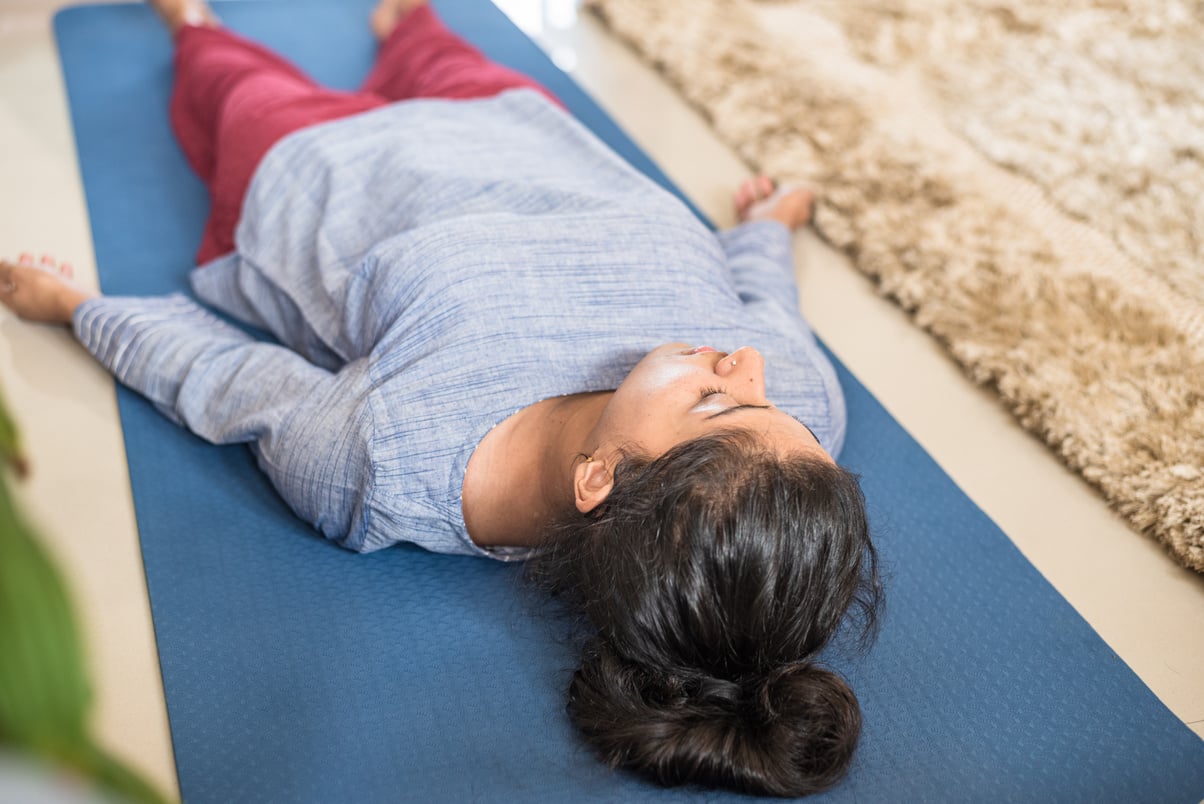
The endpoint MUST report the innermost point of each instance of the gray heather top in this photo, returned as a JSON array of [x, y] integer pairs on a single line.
[[430, 268]]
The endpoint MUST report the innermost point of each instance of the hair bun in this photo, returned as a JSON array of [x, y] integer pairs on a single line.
[[788, 733], [799, 688]]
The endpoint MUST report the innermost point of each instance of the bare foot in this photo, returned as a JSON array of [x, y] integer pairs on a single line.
[[178, 13], [388, 13], [42, 292], [760, 198]]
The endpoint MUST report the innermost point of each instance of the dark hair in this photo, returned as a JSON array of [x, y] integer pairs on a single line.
[[714, 575]]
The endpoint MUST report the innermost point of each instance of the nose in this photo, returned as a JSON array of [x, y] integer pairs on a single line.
[[744, 374]]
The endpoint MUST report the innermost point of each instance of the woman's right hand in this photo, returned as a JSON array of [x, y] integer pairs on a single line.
[[40, 291]]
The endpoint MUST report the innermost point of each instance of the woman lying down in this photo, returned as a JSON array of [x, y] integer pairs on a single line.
[[498, 339]]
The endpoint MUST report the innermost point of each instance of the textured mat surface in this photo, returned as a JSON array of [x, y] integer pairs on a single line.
[[296, 671]]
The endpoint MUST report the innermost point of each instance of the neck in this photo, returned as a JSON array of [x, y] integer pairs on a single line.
[[560, 437], [521, 478]]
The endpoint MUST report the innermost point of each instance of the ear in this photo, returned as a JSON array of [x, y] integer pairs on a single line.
[[592, 482]]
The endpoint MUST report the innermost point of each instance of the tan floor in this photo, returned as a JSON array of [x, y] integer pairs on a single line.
[[1150, 611]]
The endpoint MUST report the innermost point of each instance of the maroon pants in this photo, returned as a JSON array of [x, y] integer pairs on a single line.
[[233, 99]]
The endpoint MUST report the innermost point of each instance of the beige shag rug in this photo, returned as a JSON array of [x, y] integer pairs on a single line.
[[1026, 178]]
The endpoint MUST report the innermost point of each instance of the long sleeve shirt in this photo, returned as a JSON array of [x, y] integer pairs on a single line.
[[429, 269]]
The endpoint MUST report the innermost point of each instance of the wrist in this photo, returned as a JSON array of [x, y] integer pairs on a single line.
[[70, 302]]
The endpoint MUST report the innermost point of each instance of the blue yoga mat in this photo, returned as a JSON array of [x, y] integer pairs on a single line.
[[295, 671]]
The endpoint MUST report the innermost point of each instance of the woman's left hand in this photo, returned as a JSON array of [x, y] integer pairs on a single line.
[[760, 198]]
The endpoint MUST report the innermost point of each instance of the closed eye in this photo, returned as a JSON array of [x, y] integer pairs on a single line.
[[709, 392], [735, 408]]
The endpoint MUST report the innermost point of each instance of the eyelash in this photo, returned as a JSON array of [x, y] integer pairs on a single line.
[[709, 392]]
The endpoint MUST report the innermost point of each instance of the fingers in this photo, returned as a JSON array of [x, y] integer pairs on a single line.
[[51, 265], [761, 198], [10, 272], [752, 191], [47, 263]]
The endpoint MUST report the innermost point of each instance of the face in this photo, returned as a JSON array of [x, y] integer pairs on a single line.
[[679, 392]]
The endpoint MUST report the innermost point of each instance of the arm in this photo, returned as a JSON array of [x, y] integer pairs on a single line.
[[760, 251], [760, 256], [304, 424], [198, 371]]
